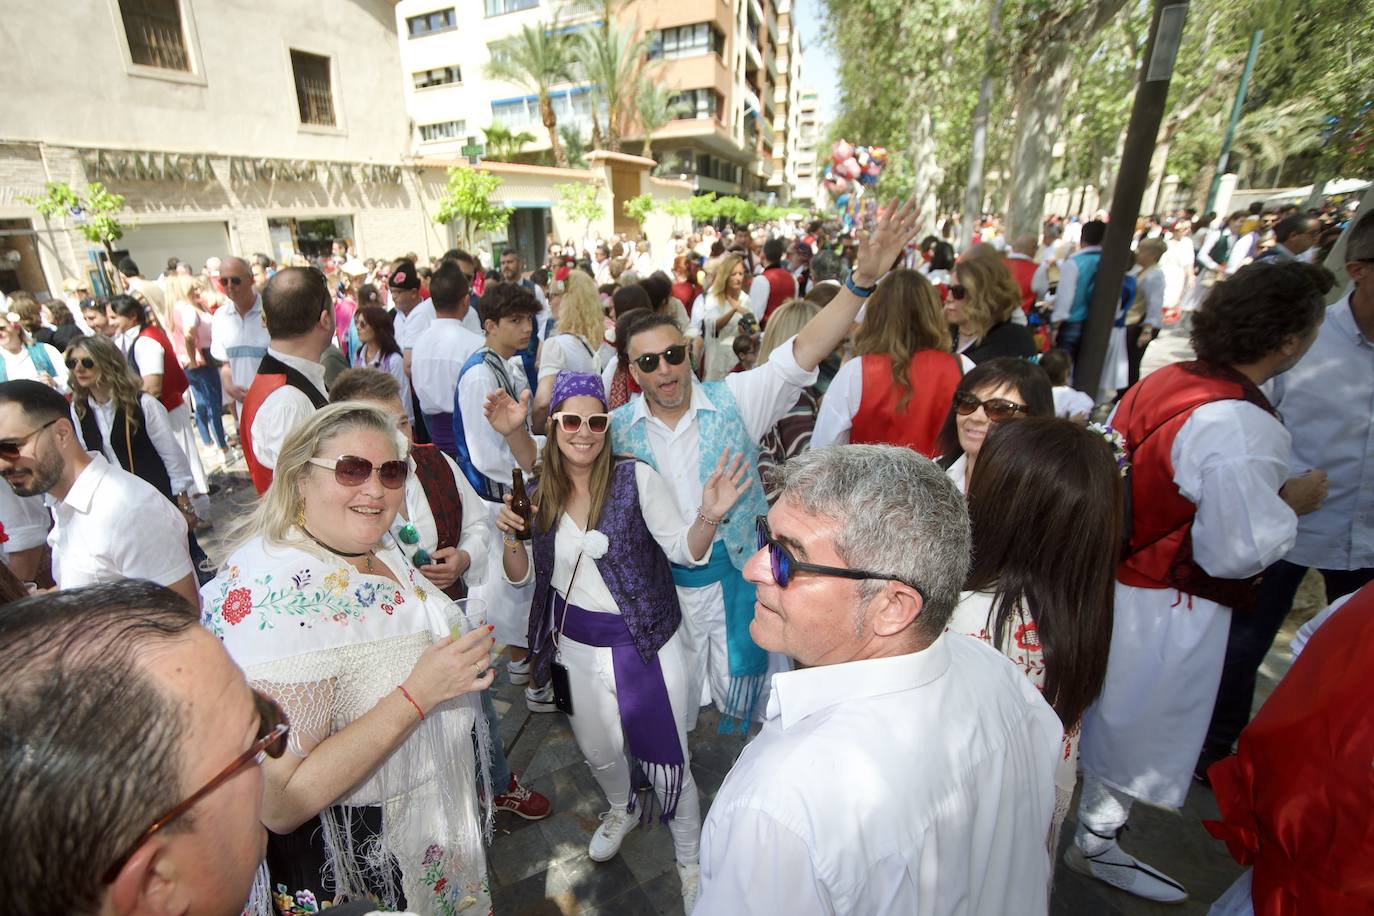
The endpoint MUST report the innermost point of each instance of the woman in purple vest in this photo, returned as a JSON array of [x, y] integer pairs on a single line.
[[605, 609]]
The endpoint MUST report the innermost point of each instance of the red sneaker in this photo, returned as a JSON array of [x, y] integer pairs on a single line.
[[523, 801]]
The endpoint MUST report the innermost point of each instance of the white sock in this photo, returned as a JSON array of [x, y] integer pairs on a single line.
[[1102, 811]]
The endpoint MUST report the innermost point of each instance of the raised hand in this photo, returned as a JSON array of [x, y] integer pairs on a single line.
[[505, 414], [725, 485], [894, 228]]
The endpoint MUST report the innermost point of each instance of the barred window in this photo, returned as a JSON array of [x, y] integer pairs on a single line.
[[501, 7], [153, 29], [444, 130], [695, 103], [314, 94], [686, 41]]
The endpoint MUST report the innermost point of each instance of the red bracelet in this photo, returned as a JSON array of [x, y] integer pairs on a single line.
[[406, 693]]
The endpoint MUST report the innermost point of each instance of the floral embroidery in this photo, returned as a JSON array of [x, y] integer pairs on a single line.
[[389, 608], [299, 904], [366, 594], [238, 604], [449, 899], [398, 598], [336, 581], [1027, 637]]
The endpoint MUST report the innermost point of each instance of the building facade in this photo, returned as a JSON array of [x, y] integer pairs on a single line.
[[807, 164], [787, 99]]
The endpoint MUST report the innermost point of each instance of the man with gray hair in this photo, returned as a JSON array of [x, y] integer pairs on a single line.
[[904, 769]]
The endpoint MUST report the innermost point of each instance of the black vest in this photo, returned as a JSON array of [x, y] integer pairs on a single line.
[[270, 365], [137, 455]]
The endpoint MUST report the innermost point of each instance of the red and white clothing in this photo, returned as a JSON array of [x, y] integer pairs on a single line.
[[864, 386], [152, 353]]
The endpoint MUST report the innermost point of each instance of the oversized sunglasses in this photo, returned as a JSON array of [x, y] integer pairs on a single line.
[[648, 362], [271, 741], [966, 402], [572, 422], [784, 566], [85, 361], [10, 450], [352, 471], [958, 291]]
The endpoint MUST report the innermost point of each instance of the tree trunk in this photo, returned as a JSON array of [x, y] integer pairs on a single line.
[[550, 120], [973, 196], [926, 174]]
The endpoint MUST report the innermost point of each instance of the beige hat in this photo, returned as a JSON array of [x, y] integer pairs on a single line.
[[354, 268]]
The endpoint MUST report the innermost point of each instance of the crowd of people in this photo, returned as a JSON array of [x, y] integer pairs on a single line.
[[838, 488]]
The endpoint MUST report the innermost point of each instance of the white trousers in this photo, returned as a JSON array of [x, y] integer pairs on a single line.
[[183, 430], [597, 728]]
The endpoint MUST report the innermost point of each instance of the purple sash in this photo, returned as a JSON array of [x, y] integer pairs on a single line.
[[646, 715]]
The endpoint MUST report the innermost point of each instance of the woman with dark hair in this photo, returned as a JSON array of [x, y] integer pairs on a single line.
[[998, 390], [898, 390], [982, 302], [378, 348], [1045, 601], [615, 377], [661, 298]]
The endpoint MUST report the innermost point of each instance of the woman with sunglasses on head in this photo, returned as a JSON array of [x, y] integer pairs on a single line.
[[996, 391], [1046, 601], [898, 390], [604, 532], [317, 604], [983, 300]]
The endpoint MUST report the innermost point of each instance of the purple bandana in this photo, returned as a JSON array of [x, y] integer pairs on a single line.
[[576, 384]]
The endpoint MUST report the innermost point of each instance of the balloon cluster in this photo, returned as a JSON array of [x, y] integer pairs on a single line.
[[852, 169]]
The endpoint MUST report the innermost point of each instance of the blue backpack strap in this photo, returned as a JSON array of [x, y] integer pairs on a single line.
[[488, 489], [39, 354]]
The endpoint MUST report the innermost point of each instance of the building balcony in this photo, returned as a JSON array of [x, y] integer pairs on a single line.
[[752, 53]]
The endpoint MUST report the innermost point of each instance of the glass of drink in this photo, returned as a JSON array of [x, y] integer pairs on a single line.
[[465, 615]]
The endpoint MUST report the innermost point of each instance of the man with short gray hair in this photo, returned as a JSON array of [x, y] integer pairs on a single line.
[[905, 769]]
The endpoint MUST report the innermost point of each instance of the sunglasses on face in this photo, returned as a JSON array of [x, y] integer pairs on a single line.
[[352, 471], [271, 742], [230, 280], [85, 362], [10, 450], [572, 422], [966, 403], [784, 566], [958, 291], [648, 362]]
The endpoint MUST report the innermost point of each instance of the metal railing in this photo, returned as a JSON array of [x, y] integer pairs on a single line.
[[156, 40]]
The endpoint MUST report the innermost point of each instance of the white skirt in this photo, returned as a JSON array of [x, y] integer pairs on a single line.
[[179, 418]]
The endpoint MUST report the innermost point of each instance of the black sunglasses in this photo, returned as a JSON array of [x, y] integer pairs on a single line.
[[352, 471], [648, 362], [229, 280], [958, 291], [85, 361], [784, 566], [966, 402], [271, 740], [10, 450]]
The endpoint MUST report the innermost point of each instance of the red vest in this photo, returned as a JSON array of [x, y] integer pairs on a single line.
[[933, 376], [445, 502], [1022, 271], [272, 374], [1295, 799], [174, 381], [781, 287], [1149, 417]]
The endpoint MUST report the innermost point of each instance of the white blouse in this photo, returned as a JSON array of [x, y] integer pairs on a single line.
[[159, 431]]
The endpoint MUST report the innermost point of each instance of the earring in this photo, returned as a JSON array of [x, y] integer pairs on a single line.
[[300, 516]]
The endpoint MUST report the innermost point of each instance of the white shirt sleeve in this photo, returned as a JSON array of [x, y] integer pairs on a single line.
[[608, 375], [1230, 459], [490, 453], [59, 368], [148, 356], [1040, 280], [766, 393], [160, 431], [663, 518], [281, 412], [840, 404], [1240, 253], [754, 866], [759, 292], [1204, 252], [1068, 288], [553, 357], [477, 534], [695, 317], [219, 333]]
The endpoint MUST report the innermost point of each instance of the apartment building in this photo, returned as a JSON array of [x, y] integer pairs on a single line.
[[722, 59], [787, 99], [808, 162]]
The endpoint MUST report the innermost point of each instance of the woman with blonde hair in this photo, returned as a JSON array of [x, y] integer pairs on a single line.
[[190, 337], [792, 434], [326, 615], [722, 309], [898, 389], [575, 340], [983, 297]]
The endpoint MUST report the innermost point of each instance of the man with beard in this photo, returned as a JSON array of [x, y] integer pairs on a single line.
[[108, 524]]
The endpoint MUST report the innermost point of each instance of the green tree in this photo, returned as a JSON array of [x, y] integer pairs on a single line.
[[581, 201], [97, 210], [611, 59], [467, 201], [574, 143], [639, 207], [678, 208], [540, 56], [702, 207], [651, 105], [503, 144]]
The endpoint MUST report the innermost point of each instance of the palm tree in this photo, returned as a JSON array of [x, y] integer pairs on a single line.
[[540, 56], [574, 144], [503, 145], [651, 105], [611, 60]]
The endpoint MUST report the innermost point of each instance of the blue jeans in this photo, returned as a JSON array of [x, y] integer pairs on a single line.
[[209, 400], [500, 768]]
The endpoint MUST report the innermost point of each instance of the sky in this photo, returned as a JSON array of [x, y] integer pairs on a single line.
[[818, 61]]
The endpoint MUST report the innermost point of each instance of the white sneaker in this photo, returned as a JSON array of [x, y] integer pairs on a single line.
[[1125, 872], [691, 883], [608, 837], [519, 672], [540, 700]]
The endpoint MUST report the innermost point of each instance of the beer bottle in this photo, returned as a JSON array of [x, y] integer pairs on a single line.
[[520, 504]]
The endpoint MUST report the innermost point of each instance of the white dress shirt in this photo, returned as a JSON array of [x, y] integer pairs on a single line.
[[20, 366], [410, 328], [1326, 402], [832, 810], [113, 525], [26, 520], [1067, 289], [283, 410], [566, 351], [759, 291], [842, 400], [1177, 264], [476, 536], [1069, 401], [148, 357], [1241, 252], [241, 341], [159, 431], [436, 360]]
